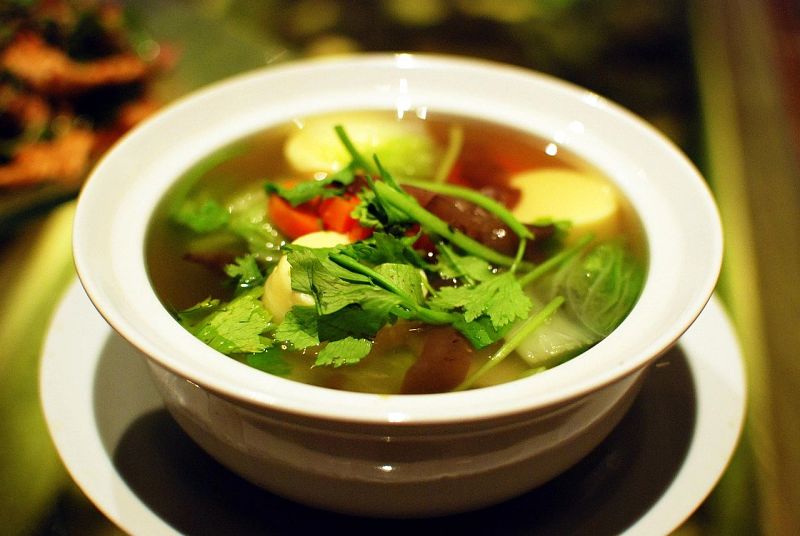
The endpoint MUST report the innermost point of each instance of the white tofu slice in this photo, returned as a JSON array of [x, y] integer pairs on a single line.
[[588, 201]]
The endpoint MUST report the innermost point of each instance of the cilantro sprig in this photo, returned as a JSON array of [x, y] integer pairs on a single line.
[[333, 185], [236, 327]]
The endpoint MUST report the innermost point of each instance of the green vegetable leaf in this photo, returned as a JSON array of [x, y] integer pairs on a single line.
[[246, 272], [331, 186], [374, 212], [250, 223], [241, 225], [451, 265], [235, 327], [270, 361], [382, 248], [602, 287], [202, 216], [350, 321], [405, 278], [480, 332], [344, 352], [500, 298], [299, 328], [191, 316]]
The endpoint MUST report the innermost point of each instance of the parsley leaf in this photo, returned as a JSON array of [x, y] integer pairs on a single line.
[[344, 352]]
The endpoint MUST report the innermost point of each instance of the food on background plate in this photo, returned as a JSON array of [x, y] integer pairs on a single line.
[[73, 79], [402, 258]]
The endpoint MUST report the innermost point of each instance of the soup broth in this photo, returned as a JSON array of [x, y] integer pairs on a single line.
[[469, 318]]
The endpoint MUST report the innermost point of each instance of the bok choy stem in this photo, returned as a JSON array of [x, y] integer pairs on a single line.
[[454, 145], [555, 261], [528, 327], [356, 156]]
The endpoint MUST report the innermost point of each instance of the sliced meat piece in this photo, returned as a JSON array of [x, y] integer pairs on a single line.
[[442, 364]]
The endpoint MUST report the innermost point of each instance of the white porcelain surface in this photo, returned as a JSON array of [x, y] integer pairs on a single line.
[[677, 211], [378, 470], [127, 454]]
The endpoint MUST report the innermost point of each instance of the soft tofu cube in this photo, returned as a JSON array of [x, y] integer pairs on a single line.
[[278, 297]]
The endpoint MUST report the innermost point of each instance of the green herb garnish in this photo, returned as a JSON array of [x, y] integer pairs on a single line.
[[236, 327]]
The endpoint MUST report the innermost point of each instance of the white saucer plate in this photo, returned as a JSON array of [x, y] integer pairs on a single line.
[[131, 459]]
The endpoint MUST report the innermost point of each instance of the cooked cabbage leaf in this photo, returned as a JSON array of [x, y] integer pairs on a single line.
[[602, 287]]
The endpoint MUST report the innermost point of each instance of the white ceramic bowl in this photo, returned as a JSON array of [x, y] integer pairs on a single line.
[[403, 455]]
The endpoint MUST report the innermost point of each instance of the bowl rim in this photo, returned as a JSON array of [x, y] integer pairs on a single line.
[[117, 300]]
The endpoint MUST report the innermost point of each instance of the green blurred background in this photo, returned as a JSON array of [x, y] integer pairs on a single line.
[[718, 77]]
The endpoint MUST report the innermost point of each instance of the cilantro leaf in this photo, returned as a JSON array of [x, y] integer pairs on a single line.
[[235, 327], [299, 327], [350, 321], [270, 361], [335, 287], [501, 298], [202, 216], [191, 316], [311, 265], [303, 327], [451, 265], [375, 212], [301, 192], [246, 272], [382, 248], [480, 332], [406, 278], [351, 299], [346, 351]]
